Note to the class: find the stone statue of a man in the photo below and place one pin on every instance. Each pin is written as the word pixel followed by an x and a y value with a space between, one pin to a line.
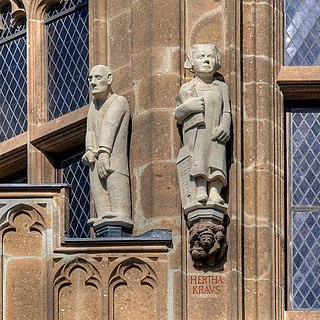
pixel 106 152
pixel 203 110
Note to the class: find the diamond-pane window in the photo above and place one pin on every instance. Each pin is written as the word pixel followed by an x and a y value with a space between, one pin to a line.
pixel 76 174
pixel 302 33
pixel 68 58
pixel 304 213
pixel 13 78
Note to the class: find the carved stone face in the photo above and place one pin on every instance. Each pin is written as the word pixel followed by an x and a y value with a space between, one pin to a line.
pixel 206 241
pixel 204 60
pixel 100 79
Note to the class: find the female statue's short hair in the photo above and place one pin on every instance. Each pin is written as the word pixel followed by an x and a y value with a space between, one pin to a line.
pixel 190 58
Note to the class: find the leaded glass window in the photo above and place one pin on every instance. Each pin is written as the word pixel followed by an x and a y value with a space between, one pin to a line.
pixel 76 174
pixel 68 59
pixel 302 33
pixel 13 78
pixel 304 207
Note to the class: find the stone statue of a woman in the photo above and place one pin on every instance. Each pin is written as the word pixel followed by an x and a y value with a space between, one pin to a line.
pixel 203 110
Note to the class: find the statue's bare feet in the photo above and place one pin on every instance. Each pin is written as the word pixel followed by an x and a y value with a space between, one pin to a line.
pixel 215 196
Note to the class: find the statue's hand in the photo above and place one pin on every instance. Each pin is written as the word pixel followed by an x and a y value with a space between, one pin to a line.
pixel 104 169
pixel 198 253
pixel 193 105
pixel 220 134
pixel 88 158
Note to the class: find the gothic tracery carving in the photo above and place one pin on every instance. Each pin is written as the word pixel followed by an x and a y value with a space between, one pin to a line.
pixel 18 12
pixel 63 275
pixel 36 214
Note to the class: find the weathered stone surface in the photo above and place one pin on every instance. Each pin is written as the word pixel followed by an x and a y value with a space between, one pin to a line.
pixel 200 34
pixel 24 288
pixel 165 23
pixel 257 210
pixel 160 194
pixel 259 151
pixel 122 81
pixel 141 25
pixel 151 133
pixel 259 265
pixel 257 94
pixel 120 39
pixel 163 90
pixel 78 299
pixel 258 67
pixel 116 7
pixel 206 292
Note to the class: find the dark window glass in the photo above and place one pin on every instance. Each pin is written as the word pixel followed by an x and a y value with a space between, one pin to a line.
pixel 304 211
pixel 76 174
pixel 68 58
pixel 302 33
pixel 20 177
pixel 13 79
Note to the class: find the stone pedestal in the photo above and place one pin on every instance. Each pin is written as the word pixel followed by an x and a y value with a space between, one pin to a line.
pixel 111 226
pixel 210 211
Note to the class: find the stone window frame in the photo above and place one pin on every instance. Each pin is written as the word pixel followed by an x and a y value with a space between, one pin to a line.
pixel 297 83
pixel 36 149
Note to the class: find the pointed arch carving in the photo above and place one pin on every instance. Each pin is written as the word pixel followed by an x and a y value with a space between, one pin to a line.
pixel 119 274
pixel 39 7
pixel 77 289
pixel 63 275
pixel 23 246
pixel 131 281
pixel 18 12
pixel 36 213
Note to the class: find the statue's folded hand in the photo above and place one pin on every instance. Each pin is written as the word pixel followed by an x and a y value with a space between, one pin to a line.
pixel 88 158
pixel 104 169
pixel 193 105
pixel 220 134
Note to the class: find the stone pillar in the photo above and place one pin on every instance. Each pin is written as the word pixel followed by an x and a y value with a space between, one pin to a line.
pixel 261 145
pixel 41 170
pixel 155 63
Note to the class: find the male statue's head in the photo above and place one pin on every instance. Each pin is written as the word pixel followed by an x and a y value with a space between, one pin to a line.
pixel 100 79
pixel 203 59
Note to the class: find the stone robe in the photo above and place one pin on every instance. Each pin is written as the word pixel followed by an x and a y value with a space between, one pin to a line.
pixel 107 130
pixel 208 157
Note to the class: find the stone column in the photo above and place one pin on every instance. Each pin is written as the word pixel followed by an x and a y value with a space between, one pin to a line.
pixel 144 52
pixel 261 150
pixel 40 170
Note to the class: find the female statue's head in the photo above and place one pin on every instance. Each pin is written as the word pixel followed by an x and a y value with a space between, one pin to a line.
pixel 203 59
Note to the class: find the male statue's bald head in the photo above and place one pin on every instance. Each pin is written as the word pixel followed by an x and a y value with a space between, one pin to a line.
pixel 100 79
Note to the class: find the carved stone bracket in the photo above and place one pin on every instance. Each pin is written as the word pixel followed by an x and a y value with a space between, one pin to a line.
pixel 207 243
